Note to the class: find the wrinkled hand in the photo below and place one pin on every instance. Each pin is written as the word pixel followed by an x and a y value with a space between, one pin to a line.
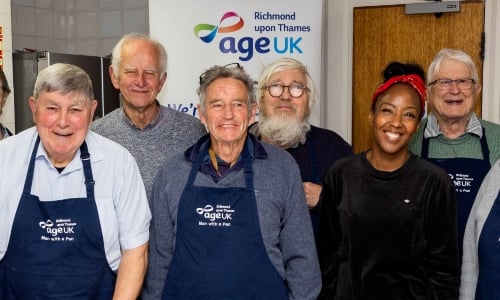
pixel 312 192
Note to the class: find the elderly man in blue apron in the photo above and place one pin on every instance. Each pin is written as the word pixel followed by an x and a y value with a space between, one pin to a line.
pixel 74 214
pixel 452 136
pixel 230 219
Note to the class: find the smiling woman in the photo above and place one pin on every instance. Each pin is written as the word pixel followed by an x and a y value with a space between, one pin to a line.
pixel 387 215
pixel 397 106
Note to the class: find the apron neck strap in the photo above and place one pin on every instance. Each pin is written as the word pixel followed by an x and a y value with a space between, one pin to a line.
pixel 246 158
pixel 87 169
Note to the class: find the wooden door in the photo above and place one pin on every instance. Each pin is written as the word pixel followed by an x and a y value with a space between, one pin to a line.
pixel 384 34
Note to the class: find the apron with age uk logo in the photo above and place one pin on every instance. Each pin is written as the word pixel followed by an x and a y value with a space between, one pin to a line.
pixel 56 248
pixel 467 174
pixel 219 252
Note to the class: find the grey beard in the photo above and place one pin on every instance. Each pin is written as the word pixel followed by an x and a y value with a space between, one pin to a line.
pixel 283 132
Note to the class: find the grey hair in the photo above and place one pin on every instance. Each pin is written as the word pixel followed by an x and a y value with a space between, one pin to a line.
pixel 217 72
pixel 64 78
pixel 285 64
pixel 452 54
pixel 118 48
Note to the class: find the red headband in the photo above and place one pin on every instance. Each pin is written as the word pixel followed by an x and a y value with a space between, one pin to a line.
pixel 413 80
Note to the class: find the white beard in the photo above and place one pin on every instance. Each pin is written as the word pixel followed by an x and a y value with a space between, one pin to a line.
pixel 283 131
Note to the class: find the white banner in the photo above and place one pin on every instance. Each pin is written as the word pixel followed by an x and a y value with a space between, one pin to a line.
pixel 200 34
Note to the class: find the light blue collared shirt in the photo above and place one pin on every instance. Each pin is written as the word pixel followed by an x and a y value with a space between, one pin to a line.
pixel 119 191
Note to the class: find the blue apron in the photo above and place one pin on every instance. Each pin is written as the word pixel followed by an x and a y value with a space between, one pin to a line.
pixel 219 252
pixel 467 174
pixel 56 248
pixel 488 282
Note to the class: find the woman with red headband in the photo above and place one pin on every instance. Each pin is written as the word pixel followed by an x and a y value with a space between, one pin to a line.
pixel 387 228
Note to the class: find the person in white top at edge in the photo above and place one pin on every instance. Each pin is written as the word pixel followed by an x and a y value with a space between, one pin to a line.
pixel 481 260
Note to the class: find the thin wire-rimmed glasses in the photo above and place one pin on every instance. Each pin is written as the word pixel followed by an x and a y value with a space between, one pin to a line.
pixel 295 90
pixel 446 83
pixel 228 66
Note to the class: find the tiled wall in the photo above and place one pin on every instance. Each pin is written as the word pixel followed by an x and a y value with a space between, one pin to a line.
pixel 89 27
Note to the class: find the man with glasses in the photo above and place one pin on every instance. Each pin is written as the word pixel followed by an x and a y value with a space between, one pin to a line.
pixel 287 95
pixel 452 136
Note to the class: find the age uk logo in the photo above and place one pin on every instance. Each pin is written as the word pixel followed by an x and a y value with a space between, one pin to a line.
pixel 213 30
pixel 246 46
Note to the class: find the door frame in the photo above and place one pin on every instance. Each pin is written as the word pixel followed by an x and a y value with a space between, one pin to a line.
pixel 338 72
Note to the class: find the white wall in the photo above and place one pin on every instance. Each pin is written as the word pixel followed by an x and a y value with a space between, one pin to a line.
pixel 339 35
pixel 7 117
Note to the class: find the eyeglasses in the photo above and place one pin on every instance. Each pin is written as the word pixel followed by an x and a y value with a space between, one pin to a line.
pixel 295 90
pixel 446 84
pixel 228 66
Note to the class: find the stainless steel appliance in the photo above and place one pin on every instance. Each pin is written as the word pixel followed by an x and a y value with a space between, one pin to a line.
pixel 26 66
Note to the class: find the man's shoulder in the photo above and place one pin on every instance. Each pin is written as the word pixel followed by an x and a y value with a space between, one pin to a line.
pixel 179 116
pixel 180 126
pixel 278 167
pixel 328 141
pixel 492 132
pixel 19 144
pixel 183 123
pixel 107 120
pixel 490 127
pixel 322 131
pixel 326 134
pixel 106 144
pixel 173 166
pixel 276 155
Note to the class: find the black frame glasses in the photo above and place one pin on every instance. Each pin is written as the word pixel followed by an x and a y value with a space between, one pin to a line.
pixel 295 90
pixel 228 66
pixel 446 83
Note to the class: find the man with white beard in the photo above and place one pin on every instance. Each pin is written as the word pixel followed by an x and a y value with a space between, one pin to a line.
pixel 287 94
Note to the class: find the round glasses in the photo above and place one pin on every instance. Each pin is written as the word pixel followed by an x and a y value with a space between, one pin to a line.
pixel 295 90
pixel 446 84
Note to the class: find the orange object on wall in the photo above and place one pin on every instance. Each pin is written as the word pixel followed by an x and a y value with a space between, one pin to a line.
pixel 1 47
